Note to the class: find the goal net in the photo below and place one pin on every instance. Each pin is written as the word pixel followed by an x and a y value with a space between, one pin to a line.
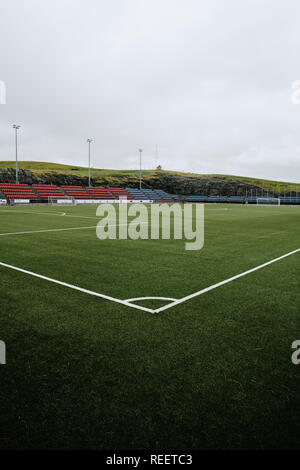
pixel 67 200
pixel 268 201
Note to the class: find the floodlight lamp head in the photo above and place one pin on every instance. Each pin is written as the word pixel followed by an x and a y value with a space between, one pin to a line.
pixel 89 140
pixel 140 150
pixel 16 127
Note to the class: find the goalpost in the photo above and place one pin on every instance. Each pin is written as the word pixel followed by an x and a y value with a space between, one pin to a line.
pixel 68 200
pixel 268 201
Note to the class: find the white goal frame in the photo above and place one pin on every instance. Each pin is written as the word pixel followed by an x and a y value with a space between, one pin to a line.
pixel 53 200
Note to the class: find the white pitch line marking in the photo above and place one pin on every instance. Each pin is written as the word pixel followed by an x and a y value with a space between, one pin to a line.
pixel 62 229
pixel 48 230
pixel 33 212
pixel 135 299
pixel 214 286
pixel 57 214
pixel 138 307
pixel 80 289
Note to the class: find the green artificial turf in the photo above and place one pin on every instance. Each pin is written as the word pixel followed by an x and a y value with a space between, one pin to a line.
pixel 214 372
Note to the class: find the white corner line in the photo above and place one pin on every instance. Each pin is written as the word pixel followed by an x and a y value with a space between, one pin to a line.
pixel 214 286
pixel 80 289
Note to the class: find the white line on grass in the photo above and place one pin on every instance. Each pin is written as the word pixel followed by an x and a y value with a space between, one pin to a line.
pixel 57 214
pixel 48 230
pixel 136 299
pixel 158 310
pixel 80 289
pixel 214 286
pixel 32 212
pixel 63 229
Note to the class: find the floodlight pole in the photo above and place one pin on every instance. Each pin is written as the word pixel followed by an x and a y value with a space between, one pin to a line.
pixel 16 141
pixel 140 150
pixel 89 142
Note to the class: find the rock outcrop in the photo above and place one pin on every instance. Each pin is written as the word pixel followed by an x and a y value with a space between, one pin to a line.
pixel 172 183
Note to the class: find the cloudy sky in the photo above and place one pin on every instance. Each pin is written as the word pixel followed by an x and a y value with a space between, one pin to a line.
pixel 208 82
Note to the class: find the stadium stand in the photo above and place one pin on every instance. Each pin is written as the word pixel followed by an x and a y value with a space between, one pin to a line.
pixel 117 192
pixel 217 199
pixel 237 199
pixel 252 199
pixel 18 191
pixel 136 194
pixel 48 190
pixel 196 198
pixel 76 192
pixel 150 194
pixel 42 193
pixel 289 200
pixel 99 193
pixel 163 196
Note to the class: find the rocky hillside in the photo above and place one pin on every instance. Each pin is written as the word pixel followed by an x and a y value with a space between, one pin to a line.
pixel 172 182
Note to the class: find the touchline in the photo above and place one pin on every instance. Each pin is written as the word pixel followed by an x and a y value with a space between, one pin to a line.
pixel 153 221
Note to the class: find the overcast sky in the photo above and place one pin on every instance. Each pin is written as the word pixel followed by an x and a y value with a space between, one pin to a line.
pixel 207 81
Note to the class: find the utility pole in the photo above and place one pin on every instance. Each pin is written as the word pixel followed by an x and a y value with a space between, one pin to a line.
pixel 140 150
pixel 89 142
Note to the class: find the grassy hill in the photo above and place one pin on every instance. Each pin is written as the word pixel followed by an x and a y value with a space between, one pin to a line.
pixel 131 177
pixel 42 167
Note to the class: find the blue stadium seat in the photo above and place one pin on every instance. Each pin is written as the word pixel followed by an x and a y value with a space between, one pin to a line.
pixel 196 198
pixel 237 199
pixel 137 194
pixel 290 200
pixel 163 195
pixel 151 194
pixel 217 199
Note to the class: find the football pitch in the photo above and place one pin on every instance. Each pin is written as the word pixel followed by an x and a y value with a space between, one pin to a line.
pixel 87 367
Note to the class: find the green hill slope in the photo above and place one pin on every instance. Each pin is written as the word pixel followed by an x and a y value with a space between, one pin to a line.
pixel 173 181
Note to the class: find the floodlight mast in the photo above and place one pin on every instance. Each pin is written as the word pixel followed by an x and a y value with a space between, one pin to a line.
pixel 16 127
pixel 140 150
pixel 89 142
